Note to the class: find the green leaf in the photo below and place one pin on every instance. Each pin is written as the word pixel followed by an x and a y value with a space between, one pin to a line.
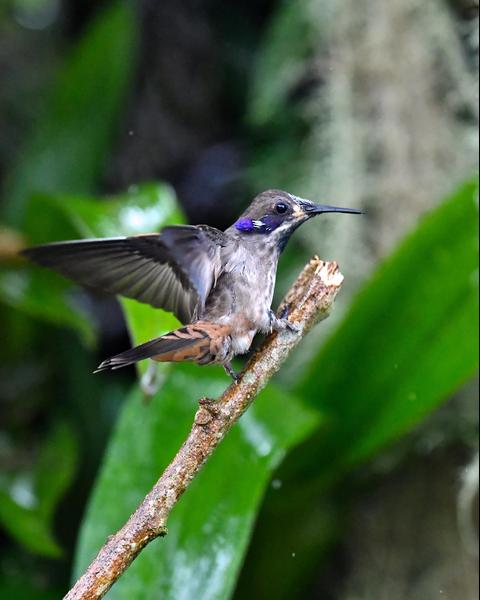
pixel 409 341
pixel 22 587
pixel 210 527
pixel 55 470
pixel 68 150
pixel 42 294
pixel 27 527
pixel 66 153
pixel 281 63
pixel 30 522
pixel 143 209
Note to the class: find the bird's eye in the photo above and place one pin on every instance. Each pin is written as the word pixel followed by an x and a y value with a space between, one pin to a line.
pixel 281 208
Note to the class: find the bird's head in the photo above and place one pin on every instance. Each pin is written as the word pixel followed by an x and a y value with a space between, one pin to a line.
pixel 277 214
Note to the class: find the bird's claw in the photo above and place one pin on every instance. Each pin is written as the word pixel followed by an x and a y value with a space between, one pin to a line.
pixel 295 327
pixel 230 371
pixel 281 323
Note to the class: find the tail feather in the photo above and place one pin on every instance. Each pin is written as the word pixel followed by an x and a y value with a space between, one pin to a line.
pixel 200 342
pixel 148 350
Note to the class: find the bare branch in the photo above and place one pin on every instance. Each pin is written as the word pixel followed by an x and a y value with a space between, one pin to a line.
pixel 308 301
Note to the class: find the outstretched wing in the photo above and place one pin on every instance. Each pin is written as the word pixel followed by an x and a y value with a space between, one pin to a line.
pixel 174 270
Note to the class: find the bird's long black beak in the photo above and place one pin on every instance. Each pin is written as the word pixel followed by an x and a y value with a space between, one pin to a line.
pixel 318 209
pixel 311 209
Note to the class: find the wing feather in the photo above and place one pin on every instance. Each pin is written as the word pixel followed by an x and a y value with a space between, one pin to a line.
pixel 174 270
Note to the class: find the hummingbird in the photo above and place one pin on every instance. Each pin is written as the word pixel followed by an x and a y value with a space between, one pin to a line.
pixel 219 284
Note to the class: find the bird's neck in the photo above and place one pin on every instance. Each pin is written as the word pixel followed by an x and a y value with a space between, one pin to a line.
pixel 272 243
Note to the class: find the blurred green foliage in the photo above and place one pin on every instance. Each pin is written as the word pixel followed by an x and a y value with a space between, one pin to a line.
pixel 281 63
pixel 27 502
pixel 219 509
pixel 365 381
pixel 142 209
pixel 408 342
pixel 66 153
pixel 69 148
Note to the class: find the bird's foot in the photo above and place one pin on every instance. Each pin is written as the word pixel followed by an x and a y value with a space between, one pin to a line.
pixel 282 323
pixel 294 327
pixel 230 371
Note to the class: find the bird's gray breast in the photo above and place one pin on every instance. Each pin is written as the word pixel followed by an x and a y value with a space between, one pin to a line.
pixel 243 293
